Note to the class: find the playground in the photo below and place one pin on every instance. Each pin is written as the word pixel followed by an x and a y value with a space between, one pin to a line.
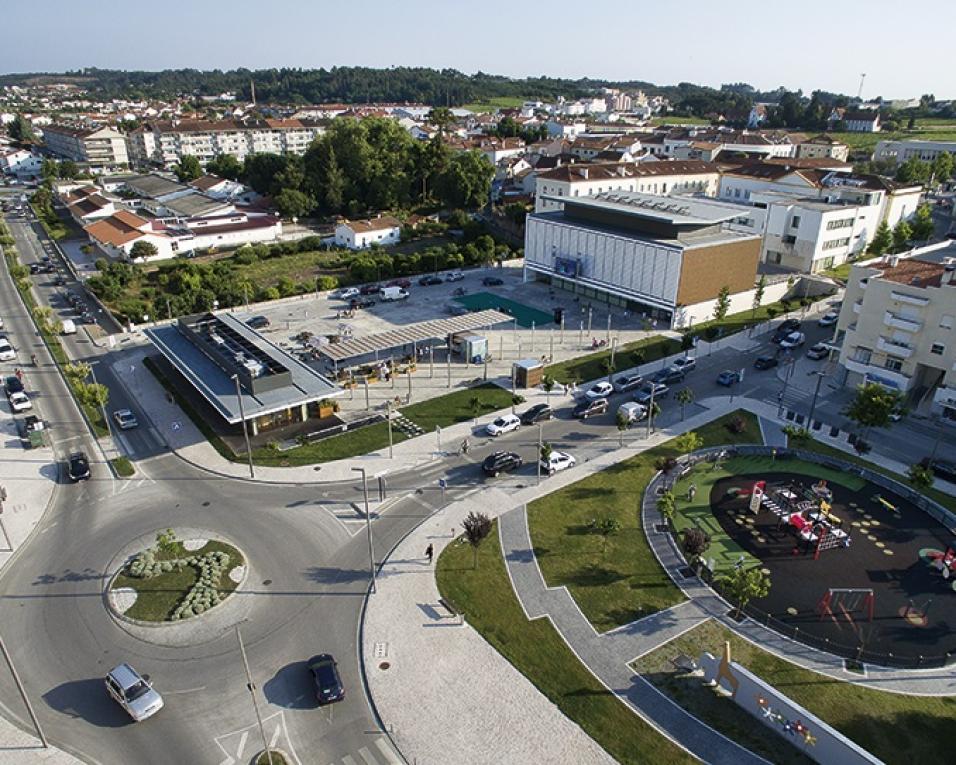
pixel 854 568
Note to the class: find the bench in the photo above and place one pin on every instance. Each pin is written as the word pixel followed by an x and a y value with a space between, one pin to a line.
pixel 450 608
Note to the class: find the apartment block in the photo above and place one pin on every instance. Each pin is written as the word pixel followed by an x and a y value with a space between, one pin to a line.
pixel 97 147
pixel 900 151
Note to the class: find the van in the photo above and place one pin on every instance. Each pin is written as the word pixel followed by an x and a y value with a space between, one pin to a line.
pixel 69 327
pixel 632 411
pixel 392 293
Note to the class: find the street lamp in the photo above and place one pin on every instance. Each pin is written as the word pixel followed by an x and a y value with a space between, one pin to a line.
pixel 368 525
pixel 816 392
pixel 245 428
pixel 106 421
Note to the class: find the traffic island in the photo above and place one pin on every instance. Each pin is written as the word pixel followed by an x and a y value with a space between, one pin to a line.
pixel 278 758
pixel 159 591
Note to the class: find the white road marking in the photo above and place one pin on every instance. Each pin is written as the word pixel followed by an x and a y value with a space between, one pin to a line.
pixel 126 448
pixel 242 743
pixel 366 755
pixel 347 760
pixel 390 757
pixel 275 735
pixel 186 690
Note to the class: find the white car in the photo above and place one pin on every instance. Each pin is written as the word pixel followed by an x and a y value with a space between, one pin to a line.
pixel 557 461
pixel 6 350
pixel 455 276
pixel 504 424
pixel 599 390
pixel 125 419
pixel 19 402
pixel 133 691
pixel 684 365
pixel 793 340
pixel 348 293
pixel 829 319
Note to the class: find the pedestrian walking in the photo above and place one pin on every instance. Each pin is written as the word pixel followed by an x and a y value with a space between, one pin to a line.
pixel 429 553
pixel 19 374
pixel 691 492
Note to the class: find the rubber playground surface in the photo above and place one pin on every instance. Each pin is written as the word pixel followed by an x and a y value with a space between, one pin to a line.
pixel 892 548
pixel 526 315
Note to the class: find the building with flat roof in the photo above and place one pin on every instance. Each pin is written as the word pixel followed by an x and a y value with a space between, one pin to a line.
pixel 97 147
pixel 214 351
pixel 667 257
pixel 897 327
pixel 900 151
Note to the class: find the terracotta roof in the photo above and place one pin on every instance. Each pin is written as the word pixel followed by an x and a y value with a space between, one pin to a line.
pixel 89 205
pixel 117 230
pixel 925 273
pixel 808 163
pixel 206 182
pixel 372 224
pixel 823 140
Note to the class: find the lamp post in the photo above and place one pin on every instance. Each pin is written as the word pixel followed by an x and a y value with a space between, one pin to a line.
pixel 245 428
pixel 368 525
pixel 252 690
pixel 540 427
pixel 388 417
pixel 106 421
pixel 816 392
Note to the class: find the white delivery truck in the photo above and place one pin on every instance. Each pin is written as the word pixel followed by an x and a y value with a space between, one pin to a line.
pixel 68 327
pixel 393 293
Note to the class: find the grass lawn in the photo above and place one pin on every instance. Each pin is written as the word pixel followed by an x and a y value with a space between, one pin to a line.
pixel 299 266
pixel 894 727
pixel 493 104
pixel 624 582
pixel 351 444
pixel 841 272
pixel 485 596
pixel 724 550
pixel 123 467
pixel 673 119
pixel 159 596
pixel 456 407
pixel 592 366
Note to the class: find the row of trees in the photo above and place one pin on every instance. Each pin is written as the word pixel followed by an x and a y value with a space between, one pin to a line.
pixel 916 170
pixel 361 166
pixel 888 241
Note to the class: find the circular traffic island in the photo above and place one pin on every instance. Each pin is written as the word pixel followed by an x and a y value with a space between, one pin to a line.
pixel 176 580
pixel 278 757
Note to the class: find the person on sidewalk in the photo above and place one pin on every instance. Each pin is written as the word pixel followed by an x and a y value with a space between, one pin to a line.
pixel 429 553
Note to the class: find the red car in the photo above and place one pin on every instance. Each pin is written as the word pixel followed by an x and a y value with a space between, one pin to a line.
pixel 403 283
pixel 370 289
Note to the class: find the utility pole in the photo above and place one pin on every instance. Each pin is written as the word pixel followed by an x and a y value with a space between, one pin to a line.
pixel 540 427
pixel 608 327
pixel 816 392
pixel 859 93
pixel 650 411
pixel 252 690
pixel 368 526
pixel 532 337
pixel 245 428
pixel 3 528
pixel 388 418
pixel 431 361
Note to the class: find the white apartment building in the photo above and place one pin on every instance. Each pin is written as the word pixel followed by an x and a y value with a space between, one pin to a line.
pixel 897 327
pixel 20 162
pixel 166 143
pixel 900 151
pixel 583 179
pixel 359 234
pixel 97 147
pixel 823 147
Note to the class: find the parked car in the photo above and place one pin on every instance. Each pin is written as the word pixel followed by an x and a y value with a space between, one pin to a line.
pixel 19 402
pixel 328 682
pixel 788 327
pixel 13 384
pixel 390 294
pixel 504 424
pixel 589 408
pixel 403 283
pixel 125 419
pixel 650 390
pixel 78 467
pixel 428 281
pixel 537 413
pixel 817 352
pixel 34 268
pixel 632 411
pixel 766 362
pixel 361 303
pixel 347 293
pixel 492 281
pixel 627 382
pixel 258 322
pixel 601 389
pixel 455 276
pixel 7 353
pixel 793 340
pixel 685 365
pixel 370 289
pixel 133 692
pixel 829 319
pixel 556 462
pixel 728 377
pixel 944 469
pixel 501 462
pixel 669 376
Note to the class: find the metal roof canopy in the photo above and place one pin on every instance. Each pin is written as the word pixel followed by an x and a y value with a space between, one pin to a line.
pixel 413 333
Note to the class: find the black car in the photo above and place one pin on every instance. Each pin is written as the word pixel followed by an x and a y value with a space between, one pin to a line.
pixel 258 322
pixel 668 376
pixel 788 327
pixel 501 462
pixel 370 289
pixel 428 281
pixel 765 362
pixel 328 682
pixel 590 408
pixel 78 467
pixel 537 413
pixel 13 385
pixel 945 470
pixel 492 281
pixel 34 268
pixel 361 304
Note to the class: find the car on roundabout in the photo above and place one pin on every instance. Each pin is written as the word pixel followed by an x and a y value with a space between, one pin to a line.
pixel 793 340
pixel 728 377
pixel 133 691
pixel 504 424
pixel 78 467
pixel 501 462
pixel 328 682
pixel 817 352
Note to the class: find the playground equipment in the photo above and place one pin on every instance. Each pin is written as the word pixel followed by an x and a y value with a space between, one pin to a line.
pixel 846 602
pixel 887 505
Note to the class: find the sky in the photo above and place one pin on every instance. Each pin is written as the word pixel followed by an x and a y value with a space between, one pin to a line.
pixel 815 44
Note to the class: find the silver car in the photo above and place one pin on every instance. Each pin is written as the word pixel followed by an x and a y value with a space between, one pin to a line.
pixel 125 419
pixel 133 692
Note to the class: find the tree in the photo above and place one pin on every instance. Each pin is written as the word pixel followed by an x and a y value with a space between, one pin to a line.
pixel 292 203
pixel 188 168
pixel 901 235
pixel 914 170
pixel 941 169
pixel 920 474
pixel 723 303
pixel 43 316
pixel 684 397
pixel 667 506
pixel 546 450
pixel 477 527
pixel 49 169
pixel 68 169
pixel 441 117
pixel 695 542
pixel 225 166
pixel 21 130
pixel 76 372
pixel 759 289
pixel 548 383
pixel 688 442
pixel 466 182
pixel 882 239
pixel 872 406
pixel 743 585
pixel 92 395
pixel 922 224
pixel 143 250
pixel 607 527
pixel 622 422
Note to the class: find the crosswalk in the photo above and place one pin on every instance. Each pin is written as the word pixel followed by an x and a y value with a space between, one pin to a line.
pixel 379 753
